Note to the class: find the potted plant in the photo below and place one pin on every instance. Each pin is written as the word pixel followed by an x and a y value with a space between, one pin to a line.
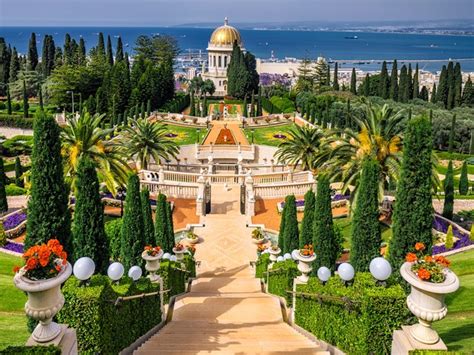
pixel 260 249
pixel 258 237
pixel 192 237
pixel 152 256
pixel 430 280
pixel 179 251
pixel 46 268
pixel 305 257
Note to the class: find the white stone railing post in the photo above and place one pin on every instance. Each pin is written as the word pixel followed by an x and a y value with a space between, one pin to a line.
pixel 210 163
pixel 250 208
pixel 161 174
pixel 200 195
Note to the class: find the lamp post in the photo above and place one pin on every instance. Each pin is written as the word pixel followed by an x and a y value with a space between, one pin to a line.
pixel 72 99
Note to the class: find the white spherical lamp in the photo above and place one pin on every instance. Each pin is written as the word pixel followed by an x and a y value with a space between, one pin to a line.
pixel 380 268
pixel 324 274
pixel 287 256
pixel 280 258
pixel 173 258
pixel 166 256
pixel 346 271
pixel 135 272
pixel 84 268
pixel 115 271
pixel 294 254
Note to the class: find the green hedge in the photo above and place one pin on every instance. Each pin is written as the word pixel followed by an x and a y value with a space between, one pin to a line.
pixel 366 326
pixel 173 278
pixel 261 266
pixel 433 352
pixel 15 121
pixel 13 190
pixel 280 279
pixel 177 104
pixel 101 326
pixel 190 264
pixel 452 156
pixel 43 350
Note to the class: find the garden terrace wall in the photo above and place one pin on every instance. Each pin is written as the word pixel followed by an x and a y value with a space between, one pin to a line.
pixel 101 326
pixel 358 319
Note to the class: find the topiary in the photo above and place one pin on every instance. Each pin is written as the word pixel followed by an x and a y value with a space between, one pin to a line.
pixel 449 238
pixel 471 235
pixel 3 236
pixel 113 233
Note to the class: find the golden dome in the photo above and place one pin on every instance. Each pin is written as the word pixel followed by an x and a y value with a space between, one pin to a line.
pixel 225 35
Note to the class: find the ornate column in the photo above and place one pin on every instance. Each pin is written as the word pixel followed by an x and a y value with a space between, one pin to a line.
pixel 250 208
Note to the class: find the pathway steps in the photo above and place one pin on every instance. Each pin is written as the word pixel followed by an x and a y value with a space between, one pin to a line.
pixel 226 312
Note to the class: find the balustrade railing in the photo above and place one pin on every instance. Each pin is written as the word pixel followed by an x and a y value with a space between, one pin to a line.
pixel 276 190
pixel 177 190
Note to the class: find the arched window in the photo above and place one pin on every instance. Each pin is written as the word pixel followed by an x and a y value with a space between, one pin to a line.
pixel 225 61
pixel 220 61
pixel 214 60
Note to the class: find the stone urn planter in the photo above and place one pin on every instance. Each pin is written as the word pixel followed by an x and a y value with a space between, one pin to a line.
pixel 304 266
pixel 192 238
pixel 258 241
pixel 152 264
pixel 179 253
pixel 273 256
pixel 45 299
pixel 258 236
pixel 426 302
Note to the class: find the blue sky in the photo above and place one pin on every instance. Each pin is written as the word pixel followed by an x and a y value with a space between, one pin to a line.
pixel 172 12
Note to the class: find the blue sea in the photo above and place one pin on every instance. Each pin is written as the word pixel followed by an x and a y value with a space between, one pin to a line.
pixel 431 51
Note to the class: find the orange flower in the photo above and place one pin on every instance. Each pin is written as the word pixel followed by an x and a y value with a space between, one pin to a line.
pixel 52 243
pixel 44 254
pixel 411 257
pixel 32 251
pixel 148 247
pixel 442 260
pixel 419 246
pixel 429 259
pixel 31 263
pixel 58 268
pixel 424 274
pixel 16 269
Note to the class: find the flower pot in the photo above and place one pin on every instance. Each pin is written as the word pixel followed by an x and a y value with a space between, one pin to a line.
pixel 304 266
pixel 426 302
pixel 192 241
pixel 45 299
pixel 273 256
pixel 179 253
pixel 152 264
pixel 258 241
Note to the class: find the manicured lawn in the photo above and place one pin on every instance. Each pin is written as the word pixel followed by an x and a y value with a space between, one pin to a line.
pixel 265 135
pixel 186 135
pixel 13 330
pixel 345 225
pixel 457 329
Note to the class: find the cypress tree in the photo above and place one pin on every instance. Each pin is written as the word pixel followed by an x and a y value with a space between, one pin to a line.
pixel 413 210
pixel 366 86
pixel 353 82
pixel 449 192
pixel 259 102
pixel 88 232
pixel 324 239
pixel 252 106
pixel 471 143
pixel 281 233
pixel 18 172
pixel 451 86
pixel 403 89
pixel 81 52
pixel 25 101
pixel 148 228
pixel 434 95
pixel 148 108
pixel 424 95
pixel 335 82
pixel 9 101
pixel 48 212
pixel 119 52
pixel 384 84
pixel 142 110
pixel 245 113
pixel 169 226
pixel 40 97
pixel 109 53
pixel 306 236
pixel 101 45
pixel 3 193
pixel 291 233
pixel 366 233
pixel 468 93
pixel 443 88
pixel 452 133
pixel 132 232
pixel 32 53
pixel 14 66
pixel 160 224
pixel 394 82
pixel 328 76
pixel 409 93
pixel 416 84
pixel 192 106
pixel 463 180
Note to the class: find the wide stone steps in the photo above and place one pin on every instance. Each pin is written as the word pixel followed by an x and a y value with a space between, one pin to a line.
pixel 226 285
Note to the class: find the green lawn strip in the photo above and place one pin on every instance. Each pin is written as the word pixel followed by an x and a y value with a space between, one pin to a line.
pixel 456 197
pixel 345 224
pixel 186 135
pixel 463 263
pixel 457 331
pixel 442 170
pixel 13 329
pixel 264 135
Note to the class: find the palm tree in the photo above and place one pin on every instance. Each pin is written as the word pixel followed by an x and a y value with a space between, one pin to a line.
pixel 379 135
pixel 83 136
pixel 301 147
pixel 144 139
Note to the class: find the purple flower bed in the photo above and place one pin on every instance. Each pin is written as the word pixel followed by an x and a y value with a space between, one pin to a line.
pixel 16 247
pixel 441 225
pixel 336 197
pixel 14 220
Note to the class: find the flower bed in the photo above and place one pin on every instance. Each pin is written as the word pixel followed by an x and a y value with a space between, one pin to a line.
pixel 14 247
pixel 441 224
pixel 337 200
pixel 225 136
pixel 14 220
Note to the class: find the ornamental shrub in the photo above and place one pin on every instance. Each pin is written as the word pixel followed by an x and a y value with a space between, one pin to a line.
pixel 161 220
pixel 3 236
pixel 173 278
pixel 449 192
pixel 14 190
pixel 132 238
pixel 306 235
pixel 413 210
pixel 88 231
pixel 463 180
pixel 261 266
pixel 471 234
pixel 148 228
pixel 48 210
pixel 449 243
pixel 169 226
pixel 18 172
pixel 365 325
pixel 280 279
pixel 26 350
pixel 113 231
pixel 291 233
pixel 324 240
pixel 3 193
pixel 101 326
pixel 366 233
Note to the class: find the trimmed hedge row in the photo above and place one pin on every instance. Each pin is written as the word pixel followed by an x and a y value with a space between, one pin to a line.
pixel 15 121
pixel 176 105
pixel 280 279
pixel 25 350
pixel 362 327
pixel 101 326
pixel 173 278
pixel 261 266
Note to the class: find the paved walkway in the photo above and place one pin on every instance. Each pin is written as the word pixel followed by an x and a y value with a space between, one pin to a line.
pixel 226 311
pixel 234 126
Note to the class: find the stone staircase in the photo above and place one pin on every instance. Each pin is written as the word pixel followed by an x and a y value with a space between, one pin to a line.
pixel 226 311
